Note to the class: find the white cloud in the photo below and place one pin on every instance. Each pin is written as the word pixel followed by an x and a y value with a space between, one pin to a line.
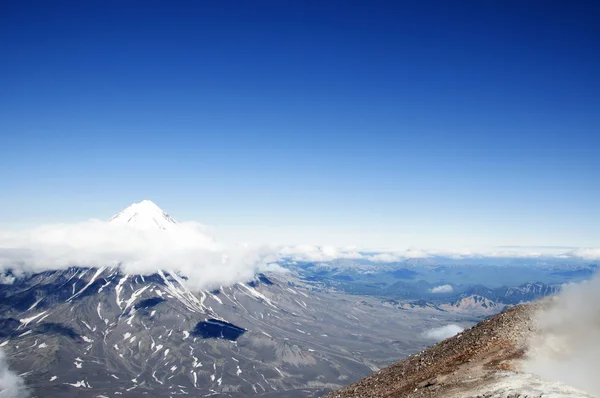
pixel 586 253
pixel 442 289
pixel 386 258
pixel 6 279
pixel 11 385
pixel 188 249
pixel 318 253
pixel 391 256
pixel 442 333
pixel 567 346
pixel 397 256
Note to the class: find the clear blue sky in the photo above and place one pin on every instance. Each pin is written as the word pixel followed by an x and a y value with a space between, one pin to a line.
pixel 393 123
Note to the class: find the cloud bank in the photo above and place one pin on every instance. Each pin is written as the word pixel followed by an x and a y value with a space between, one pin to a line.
pixel 318 253
pixel 567 348
pixel 442 333
pixel 442 289
pixel 393 256
pixel 188 249
pixel 586 253
pixel 11 384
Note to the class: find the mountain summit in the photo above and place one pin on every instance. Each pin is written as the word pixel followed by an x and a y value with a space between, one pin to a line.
pixel 144 215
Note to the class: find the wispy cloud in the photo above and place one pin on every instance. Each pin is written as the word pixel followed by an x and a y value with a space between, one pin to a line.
pixel 442 289
pixel 495 252
pixel 567 346
pixel 586 253
pixel 442 333
pixel 318 253
pixel 11 384
pixel 397 256
pixel 6 279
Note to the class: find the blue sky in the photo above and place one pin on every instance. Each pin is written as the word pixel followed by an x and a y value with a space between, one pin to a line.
pixel 394 124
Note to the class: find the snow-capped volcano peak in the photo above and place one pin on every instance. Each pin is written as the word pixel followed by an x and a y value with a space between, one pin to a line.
pixel 144 215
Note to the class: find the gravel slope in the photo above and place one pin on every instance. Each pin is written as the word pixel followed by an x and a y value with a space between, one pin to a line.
pixel 479 362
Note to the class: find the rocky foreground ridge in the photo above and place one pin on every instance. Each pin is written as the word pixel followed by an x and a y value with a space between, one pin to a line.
pixel 481 362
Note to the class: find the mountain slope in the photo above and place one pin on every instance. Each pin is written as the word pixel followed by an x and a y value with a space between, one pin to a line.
pixel 91 332
pixel 94 332
pixel 100 332
pixel 479 362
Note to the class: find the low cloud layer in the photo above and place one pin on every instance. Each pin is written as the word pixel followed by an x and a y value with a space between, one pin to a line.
pixel 11 384
pixel 442 333
pixel 393 256
pixel 442 289
pixel 189 249
pixel 567 349
pixel 586 253
pixel 318 253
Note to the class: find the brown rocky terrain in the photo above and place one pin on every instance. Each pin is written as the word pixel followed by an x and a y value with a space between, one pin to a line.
pixel 465 365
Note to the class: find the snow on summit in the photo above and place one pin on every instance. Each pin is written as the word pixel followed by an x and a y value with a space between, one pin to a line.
pixel 144 215
pixel 139 240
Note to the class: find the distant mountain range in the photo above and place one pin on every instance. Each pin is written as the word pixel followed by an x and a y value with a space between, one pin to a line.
pixel 480 300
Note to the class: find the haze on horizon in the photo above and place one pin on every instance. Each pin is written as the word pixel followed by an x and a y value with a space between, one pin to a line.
pixel 435 125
